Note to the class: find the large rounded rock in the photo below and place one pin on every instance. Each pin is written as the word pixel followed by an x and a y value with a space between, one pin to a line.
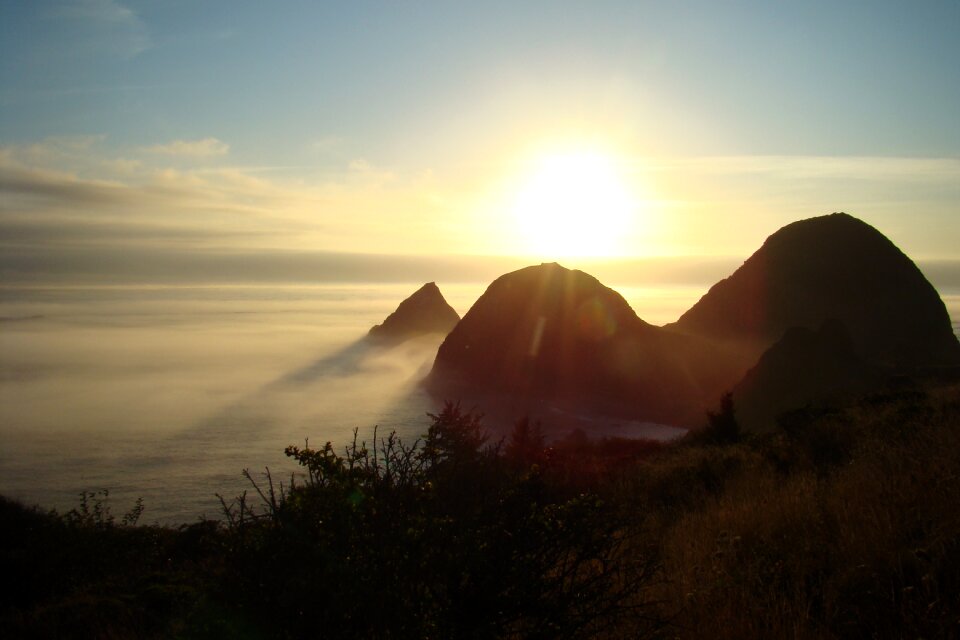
pixel 831 267
pixel 550 337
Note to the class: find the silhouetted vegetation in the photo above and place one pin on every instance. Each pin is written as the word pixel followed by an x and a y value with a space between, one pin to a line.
pixel 722 426
pixel 843 523
pixel 440 539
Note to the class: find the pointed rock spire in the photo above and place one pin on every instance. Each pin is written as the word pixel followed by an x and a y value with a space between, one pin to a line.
pixel 424 312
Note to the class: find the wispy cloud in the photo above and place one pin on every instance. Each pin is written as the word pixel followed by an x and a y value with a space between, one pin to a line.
pixel 98 10
pixel 205 148
pixel 52 150
pixel 818 167
pixel 156 201
pixel 742 199
pixel 325 144
pixel 106 26
pixel 44 187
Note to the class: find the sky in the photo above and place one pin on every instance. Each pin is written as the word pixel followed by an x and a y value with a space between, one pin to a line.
pixel 148 134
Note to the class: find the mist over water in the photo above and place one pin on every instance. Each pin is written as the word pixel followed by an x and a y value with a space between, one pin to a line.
pixel 168 392
pixel 953 308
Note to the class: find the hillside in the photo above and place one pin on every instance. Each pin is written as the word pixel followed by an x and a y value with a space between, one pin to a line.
pixel 803 367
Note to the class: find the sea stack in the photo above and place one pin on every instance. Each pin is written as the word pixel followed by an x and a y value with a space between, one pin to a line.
pixel 546 340
pixel 826 306
pixel 424 312
pixel 831 267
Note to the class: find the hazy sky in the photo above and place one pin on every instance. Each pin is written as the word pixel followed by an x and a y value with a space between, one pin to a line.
pixel 436 127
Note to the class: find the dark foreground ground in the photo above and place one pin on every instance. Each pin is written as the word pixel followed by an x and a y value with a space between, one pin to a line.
pixel 844 523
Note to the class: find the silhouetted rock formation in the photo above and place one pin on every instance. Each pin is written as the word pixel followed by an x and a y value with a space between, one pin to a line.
pixel 828 305
pixel 546 337
pixel 833 266
pixel 424 312
pixel 803 367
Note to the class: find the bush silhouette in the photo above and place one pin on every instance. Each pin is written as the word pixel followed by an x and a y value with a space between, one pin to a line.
pixel 722 426
pixel 440 538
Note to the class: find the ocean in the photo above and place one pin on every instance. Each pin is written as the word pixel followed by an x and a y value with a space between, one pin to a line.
pixel 169 392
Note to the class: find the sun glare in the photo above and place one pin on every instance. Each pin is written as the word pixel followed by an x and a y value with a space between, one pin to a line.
pixel 575 204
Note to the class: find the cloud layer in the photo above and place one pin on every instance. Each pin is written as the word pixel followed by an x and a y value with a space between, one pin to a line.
pixel 178 208
pixel 104 26
pixel 205 148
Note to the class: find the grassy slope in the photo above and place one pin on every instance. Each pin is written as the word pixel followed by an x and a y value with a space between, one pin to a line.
pixel 844 525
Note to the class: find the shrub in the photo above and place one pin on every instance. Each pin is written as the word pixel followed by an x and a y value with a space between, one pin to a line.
pixel 437 539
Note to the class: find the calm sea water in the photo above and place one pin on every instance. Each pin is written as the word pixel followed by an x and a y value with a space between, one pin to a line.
pixel 168 393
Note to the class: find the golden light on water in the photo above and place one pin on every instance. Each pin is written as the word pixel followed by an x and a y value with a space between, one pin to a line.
pixel 576 204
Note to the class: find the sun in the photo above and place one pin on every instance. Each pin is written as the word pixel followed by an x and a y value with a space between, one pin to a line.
pixel 575 204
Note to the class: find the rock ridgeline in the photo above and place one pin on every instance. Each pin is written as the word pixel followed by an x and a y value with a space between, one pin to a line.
pixel 805 366
pixel 827 305
pixel 424 312
pixel 831 267
pixel 549 338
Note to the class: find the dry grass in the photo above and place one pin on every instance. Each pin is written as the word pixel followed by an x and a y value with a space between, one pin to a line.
pixel 857 535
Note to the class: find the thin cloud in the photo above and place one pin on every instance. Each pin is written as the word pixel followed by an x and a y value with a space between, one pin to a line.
pixel 326 143
pixel 216 206
pixel 820 167
pixel 107 11
pixel 360 165
pixel 51 186
pixel 73 231
pixel 205 148
pixel 106 26
pixel 55 150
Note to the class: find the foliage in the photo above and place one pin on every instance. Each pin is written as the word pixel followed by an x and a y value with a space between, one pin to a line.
pixel 84 574
pixel 722 426
pixel 436 539
pixel 526 445
pixel 94 511
pixel 843 524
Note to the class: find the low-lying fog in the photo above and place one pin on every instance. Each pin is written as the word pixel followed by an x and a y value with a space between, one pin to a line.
pixel 169 392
